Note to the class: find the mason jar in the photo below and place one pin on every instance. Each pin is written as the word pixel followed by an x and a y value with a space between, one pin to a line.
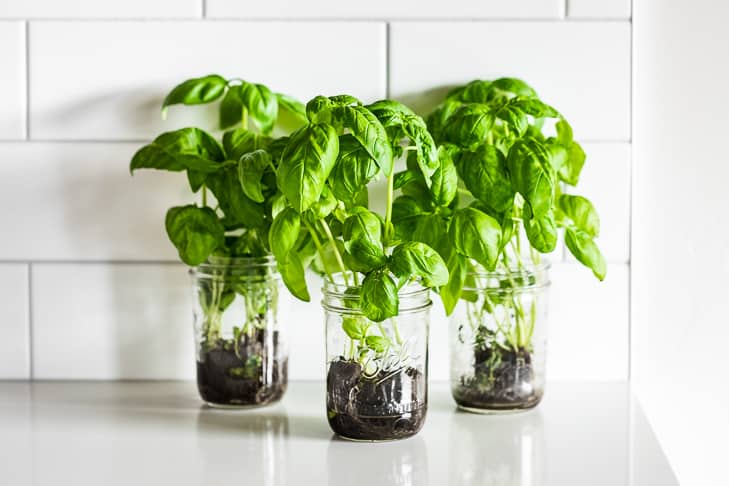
pixel 242 357
pixel 498 339
pixel 377 372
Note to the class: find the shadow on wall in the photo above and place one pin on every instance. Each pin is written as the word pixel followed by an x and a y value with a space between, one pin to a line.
pixel 424 102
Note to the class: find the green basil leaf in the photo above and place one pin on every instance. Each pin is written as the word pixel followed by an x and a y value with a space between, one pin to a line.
pixel 355 328
pixel 534 107
pixel 477 91
pixel 405 177
pixel 529 166
pixel 570 171
pixel 406 211
pixel 438 119
pixel 250 172
pixel 197 91
pixel 195 232
pixel 362 234
pixel 584 249
pixel 239 209
pixel 451 293
pixel 370 133
pixel 196 179
pixel 186 148
pixel 476 235
pixel 469 125
pixel 284 233
pixel 483 172
pixel 306 162
pixel 444 185
pixel 564 132
pixel 292 273
pixel 416 259
pixel 514 117
pixel 378 344
pixel 261 103
pixel 432 229
pixel 510 87
pixel 292 105
pixel 541 231
pixel 325 205
pixel 581 212
pixel 239 141
pixel 379 299
pixel 353 171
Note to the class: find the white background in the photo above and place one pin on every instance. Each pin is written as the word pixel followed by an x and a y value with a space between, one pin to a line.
pixel 89 284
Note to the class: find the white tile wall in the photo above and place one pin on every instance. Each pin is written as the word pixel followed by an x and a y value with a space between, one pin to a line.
pixel 111 321
pixel 410 9
pixel 126 71
pixel 14 324
pixel 74 9
pixel 583 68
pixel 84 204
pixel 12 80
pixel 97 75
pixel 588 324
pixel 599 9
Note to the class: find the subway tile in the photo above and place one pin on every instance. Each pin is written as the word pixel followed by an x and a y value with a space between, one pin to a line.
pixel 78 202
pixel 403 9
pixel 14 345
pixel 582 68
pixel 606 181
pixel 599 9
pixel 588 324
pixel 12 81
pixel 52 9
pixel 112 321
pixel 122 76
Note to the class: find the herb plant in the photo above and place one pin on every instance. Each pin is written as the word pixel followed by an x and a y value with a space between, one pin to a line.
pixel 236 182
pixel 505 156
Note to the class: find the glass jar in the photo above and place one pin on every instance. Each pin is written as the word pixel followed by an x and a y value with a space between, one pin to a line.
pixel 377 386
pixel 498 339
pixel 242 357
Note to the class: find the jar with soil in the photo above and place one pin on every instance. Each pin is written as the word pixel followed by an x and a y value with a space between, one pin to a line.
pixel 242 356
pixel 376 371
pixel 498 339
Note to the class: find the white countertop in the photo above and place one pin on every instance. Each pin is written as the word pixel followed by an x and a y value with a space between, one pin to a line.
pixel 98 433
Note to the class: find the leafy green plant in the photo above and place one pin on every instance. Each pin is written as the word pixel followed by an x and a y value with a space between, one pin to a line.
pixel 235 178
pixel 323 219
pixel 498 202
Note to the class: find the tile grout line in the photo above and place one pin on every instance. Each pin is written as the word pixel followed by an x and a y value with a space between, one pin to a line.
pixel 27 80
pixel 631 204
pixel 204 9
pixel 387 60
pixel 31 370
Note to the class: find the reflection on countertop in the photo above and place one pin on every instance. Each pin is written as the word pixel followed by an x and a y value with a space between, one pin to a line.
pixel 144 433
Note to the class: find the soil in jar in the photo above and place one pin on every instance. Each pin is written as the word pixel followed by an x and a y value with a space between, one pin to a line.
pixel 387 406
pixel 502 380
pixel 251 374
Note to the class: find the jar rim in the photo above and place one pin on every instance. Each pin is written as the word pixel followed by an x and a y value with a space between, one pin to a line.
pixel 341 292
pixel 542 269
pixel 237 266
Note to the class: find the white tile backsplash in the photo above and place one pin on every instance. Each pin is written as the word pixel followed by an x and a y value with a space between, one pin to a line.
pixel 588 324
pixel 402 9
pixel 106 303
pixel 599 9
pixel 115 9
pixel 120 321
pixel 80 203
pixel 583 68
pixel 123 75
pixel 12 81
pixel 14 324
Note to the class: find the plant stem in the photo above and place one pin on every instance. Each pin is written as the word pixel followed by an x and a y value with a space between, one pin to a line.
pixel 244 118
pixel 333 242
pixel 204 195
pixel 320 249
pixel 388 211
pixel 395 329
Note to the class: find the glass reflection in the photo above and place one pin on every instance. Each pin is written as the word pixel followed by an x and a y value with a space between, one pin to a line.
pixel 497 450
pixel 255 442
pixel 401 463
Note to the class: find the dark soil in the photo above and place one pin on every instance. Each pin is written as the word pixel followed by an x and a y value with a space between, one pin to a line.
pixel 385 407
pixel 503 382
pixel 224 378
